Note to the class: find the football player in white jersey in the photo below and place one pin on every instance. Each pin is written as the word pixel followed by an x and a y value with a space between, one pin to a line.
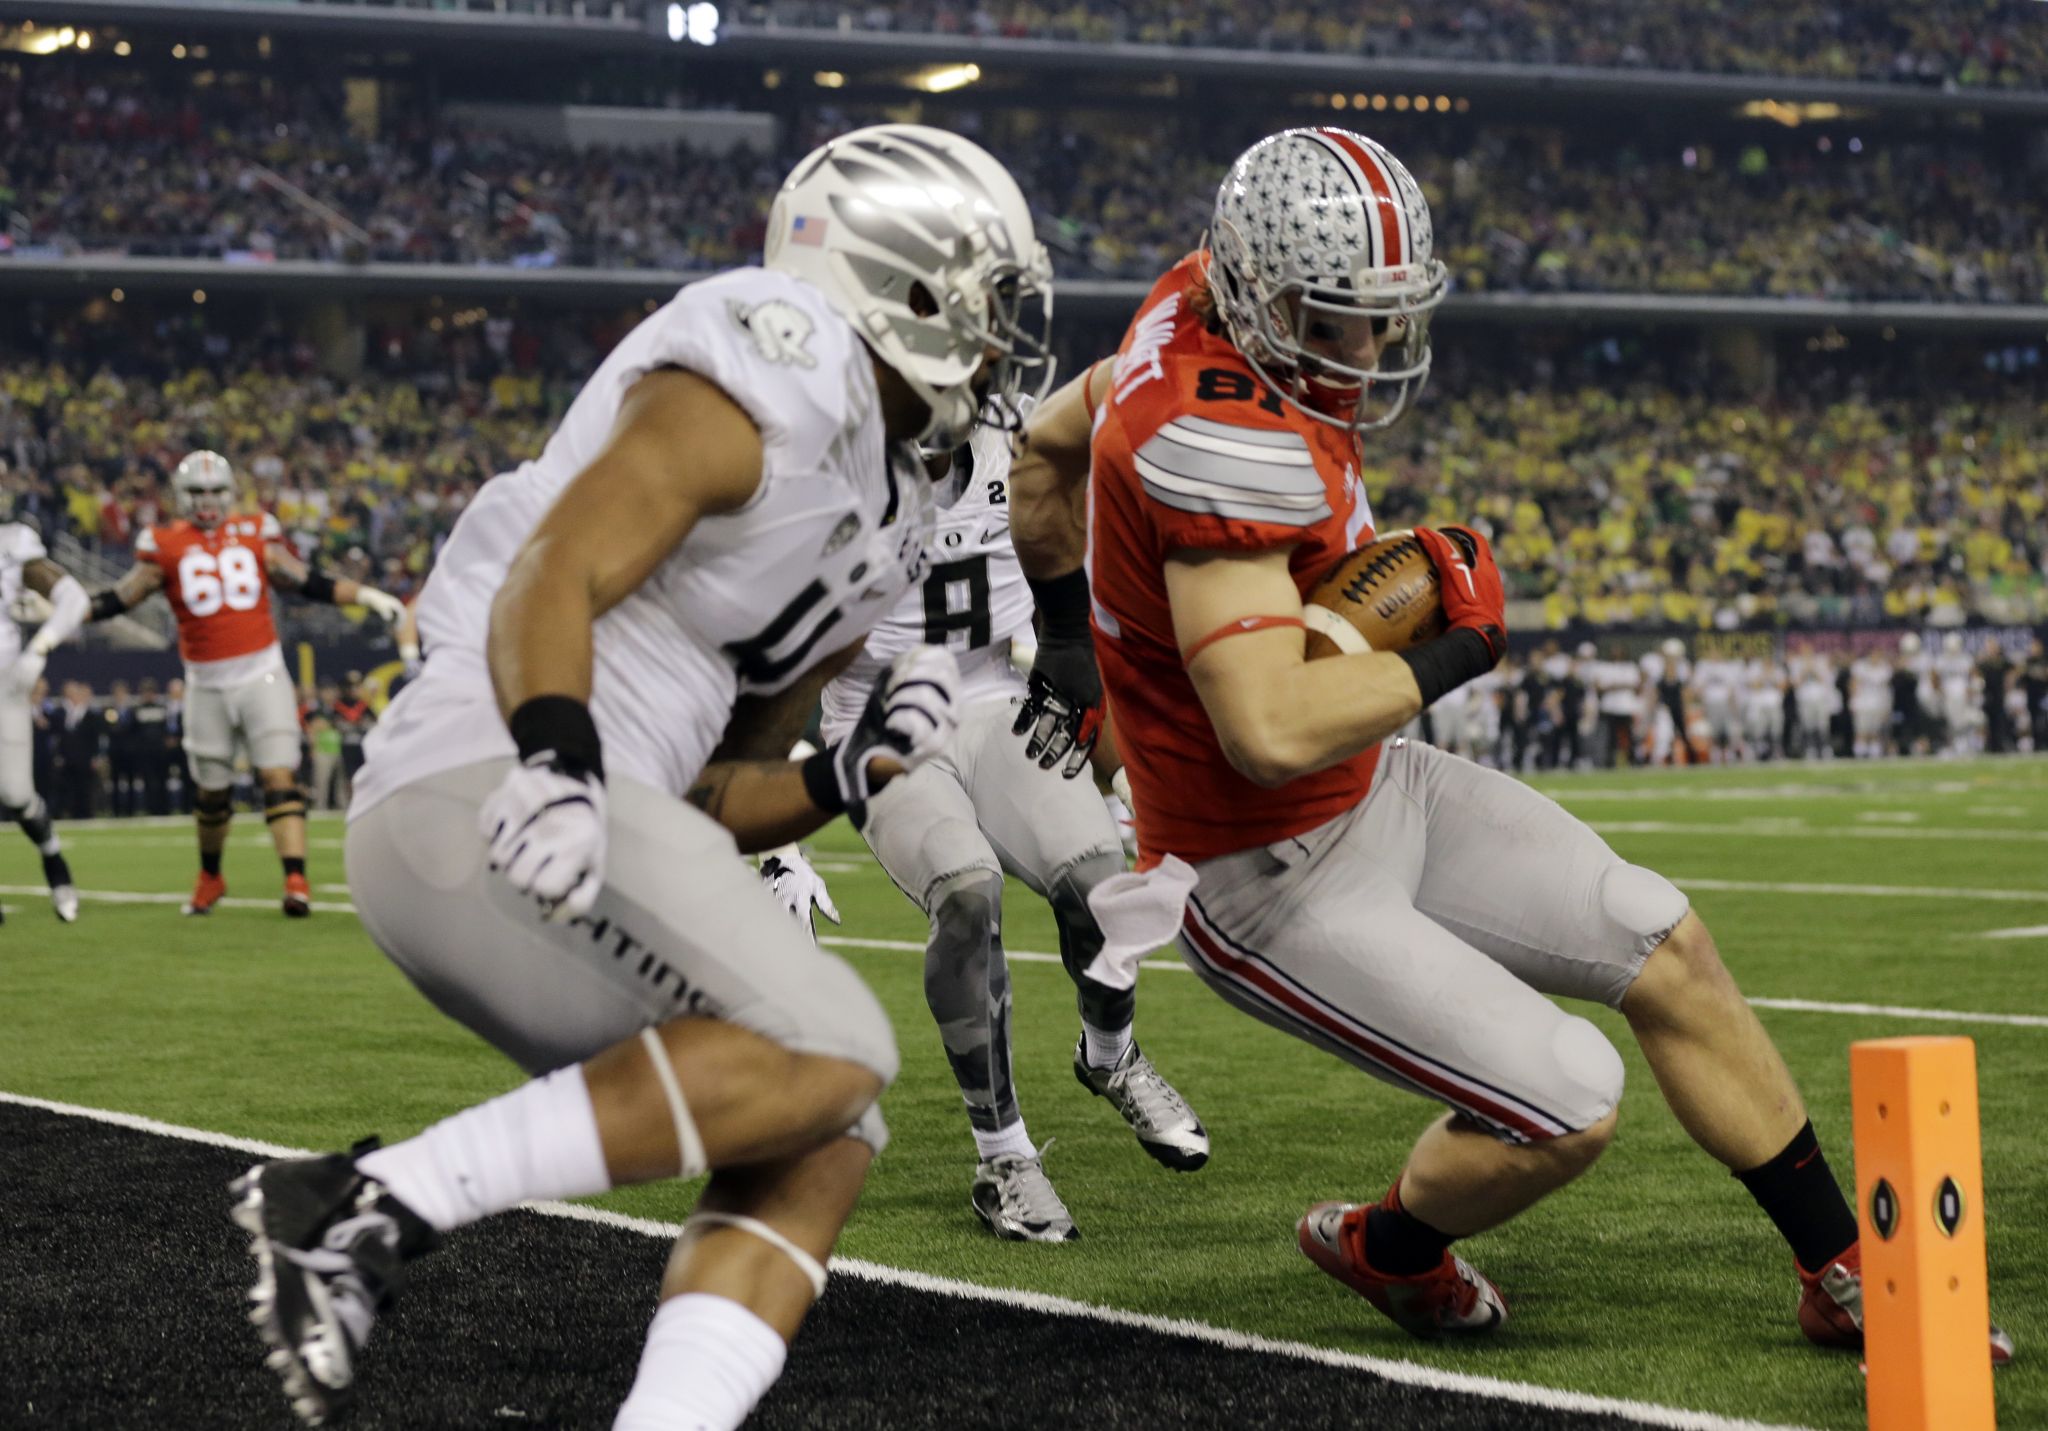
pixel 26 568
pixel 1954 670
pixel 1870 703
pixel 947 834
pixel 734 498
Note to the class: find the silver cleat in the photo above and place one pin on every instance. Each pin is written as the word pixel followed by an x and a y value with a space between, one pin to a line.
pixel 1166 1127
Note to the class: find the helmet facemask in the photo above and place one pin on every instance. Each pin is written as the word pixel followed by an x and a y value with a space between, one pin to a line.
pixel 1272 326
pixel 203 485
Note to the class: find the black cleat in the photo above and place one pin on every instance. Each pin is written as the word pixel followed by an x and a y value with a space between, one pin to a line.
pixel 330 1247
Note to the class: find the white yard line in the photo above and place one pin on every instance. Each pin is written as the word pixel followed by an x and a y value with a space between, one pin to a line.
pixel 1864 891
pixel 1170 966
pixel 1518 1393
pixel 1799 830
pixel 2028 931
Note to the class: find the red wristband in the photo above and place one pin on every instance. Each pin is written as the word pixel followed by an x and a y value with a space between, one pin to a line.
pixel 1243 626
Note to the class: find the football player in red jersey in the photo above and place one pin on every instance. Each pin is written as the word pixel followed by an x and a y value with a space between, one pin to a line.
pixel 216 567
pixel 1403 909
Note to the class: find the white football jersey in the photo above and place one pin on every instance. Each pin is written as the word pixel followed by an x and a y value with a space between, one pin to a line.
pixel 19 545
pixel 973 600
pixel 1954 669
pixel 749 601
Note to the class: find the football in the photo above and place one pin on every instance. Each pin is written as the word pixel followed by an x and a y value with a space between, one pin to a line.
pixel 1381 597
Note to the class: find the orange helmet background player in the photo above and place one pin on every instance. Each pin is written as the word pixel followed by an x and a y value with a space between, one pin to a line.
pixel 216 568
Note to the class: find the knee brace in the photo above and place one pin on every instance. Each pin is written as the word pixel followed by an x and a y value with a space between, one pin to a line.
pixel 1081 939
pixel 283 804
pixel 213 808
pixel 966 942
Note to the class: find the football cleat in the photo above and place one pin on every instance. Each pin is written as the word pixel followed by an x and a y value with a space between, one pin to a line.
pixel 1166 1127
pixel 1451 1299
pixel 330 1246
pixel 298 896
pixel 207 891
pixel 63 894
pixel 1014 1197
pixel 1831 1307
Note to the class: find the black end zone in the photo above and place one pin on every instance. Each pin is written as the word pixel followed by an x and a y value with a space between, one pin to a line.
pixel 121 1282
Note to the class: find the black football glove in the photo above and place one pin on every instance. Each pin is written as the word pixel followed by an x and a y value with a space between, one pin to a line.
pixel 1062 708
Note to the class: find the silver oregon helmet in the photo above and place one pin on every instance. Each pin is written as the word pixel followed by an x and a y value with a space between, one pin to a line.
pixel 924 243
pixel 204 487
pixel 1317 230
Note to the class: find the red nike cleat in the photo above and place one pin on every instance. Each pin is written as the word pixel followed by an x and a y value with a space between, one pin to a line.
pixel 298 896
pixel 1451 1299
pixel 206 893
pixel 1831 1307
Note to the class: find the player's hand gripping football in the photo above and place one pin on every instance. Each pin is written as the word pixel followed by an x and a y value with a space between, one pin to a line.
pixel 1062 707
pixel 546 829
pixel 799 888
pixel 1469 584
pixel 909 717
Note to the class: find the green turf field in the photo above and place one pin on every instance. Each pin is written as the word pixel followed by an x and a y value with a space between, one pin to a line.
pixel 1654 1277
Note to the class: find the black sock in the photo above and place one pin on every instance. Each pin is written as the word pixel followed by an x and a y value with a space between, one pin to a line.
pixel 1400 1244
pixel 37 827
pixel 210 862
pixel 1798 1192
pixel 294 865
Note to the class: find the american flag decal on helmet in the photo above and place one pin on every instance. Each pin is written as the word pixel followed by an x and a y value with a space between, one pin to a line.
pixel 806 230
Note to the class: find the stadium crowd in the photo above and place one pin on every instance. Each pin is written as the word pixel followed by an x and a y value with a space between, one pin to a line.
pixel 1652 502
pixel 1950 43
pixel 90 161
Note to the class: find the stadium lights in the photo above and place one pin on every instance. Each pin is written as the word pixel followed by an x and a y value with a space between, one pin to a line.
pixel 1790 114
pixel 198 295
pixel 118 296
pixel 1338 101
pixel 696 23
pixel 1379 102
pixel 1401 103
pixel 124 49
pixel 177 52
pixel 829 79
pixel 946 78
pixel 84 39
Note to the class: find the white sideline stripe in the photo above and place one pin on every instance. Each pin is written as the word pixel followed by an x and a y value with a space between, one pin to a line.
pixel 1407 1373
pixel 1800 830
pixel 1892 1011
pixel 2030 931
pixel 122 896
pixel 1039 956
pixel 1865 891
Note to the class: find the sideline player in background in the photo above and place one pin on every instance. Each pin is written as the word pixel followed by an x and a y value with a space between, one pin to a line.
pixel 26 568
pixel 733 499
pixel 216 567
pixel 1402 909
pixel 947 834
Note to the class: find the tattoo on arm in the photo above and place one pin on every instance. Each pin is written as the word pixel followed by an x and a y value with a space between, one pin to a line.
pixel 709 793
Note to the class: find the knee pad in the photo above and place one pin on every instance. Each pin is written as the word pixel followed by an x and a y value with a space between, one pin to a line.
pixel 1591 1066
pixel 1069 893
pixel 967 930
pixel 283 804
pixel 213 808
pixel 1642 902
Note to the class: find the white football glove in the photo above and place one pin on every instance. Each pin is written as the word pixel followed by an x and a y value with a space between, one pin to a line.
pixel 546 831
pixel 909 717
pixel 26 671
pixel 382 604
pixel 799 888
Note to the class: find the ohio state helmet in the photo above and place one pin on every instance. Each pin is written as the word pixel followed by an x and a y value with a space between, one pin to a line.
pixel 1323 228
pixel 204 487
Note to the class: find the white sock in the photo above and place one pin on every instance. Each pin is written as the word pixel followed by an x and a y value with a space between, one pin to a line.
pixel 1010 1142
pixel 1105 1048
pixel 539 1141
pixel 706 1362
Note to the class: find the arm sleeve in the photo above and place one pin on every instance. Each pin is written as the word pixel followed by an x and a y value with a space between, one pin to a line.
pixel 70 608
pixel 1212 485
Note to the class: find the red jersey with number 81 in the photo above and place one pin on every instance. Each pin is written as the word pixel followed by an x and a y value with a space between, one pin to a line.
pixel 218 582
pixel 1193 452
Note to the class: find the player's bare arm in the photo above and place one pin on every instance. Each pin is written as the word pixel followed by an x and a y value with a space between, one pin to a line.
pixel 288 573
pixel 1049 478
pixel 1062 707
pixel 137 585
pixel 1277 715
pixel 681 450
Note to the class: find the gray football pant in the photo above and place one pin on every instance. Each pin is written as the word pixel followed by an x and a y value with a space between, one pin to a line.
pixel 946 834
pixel 682 927
pixel 1416 935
